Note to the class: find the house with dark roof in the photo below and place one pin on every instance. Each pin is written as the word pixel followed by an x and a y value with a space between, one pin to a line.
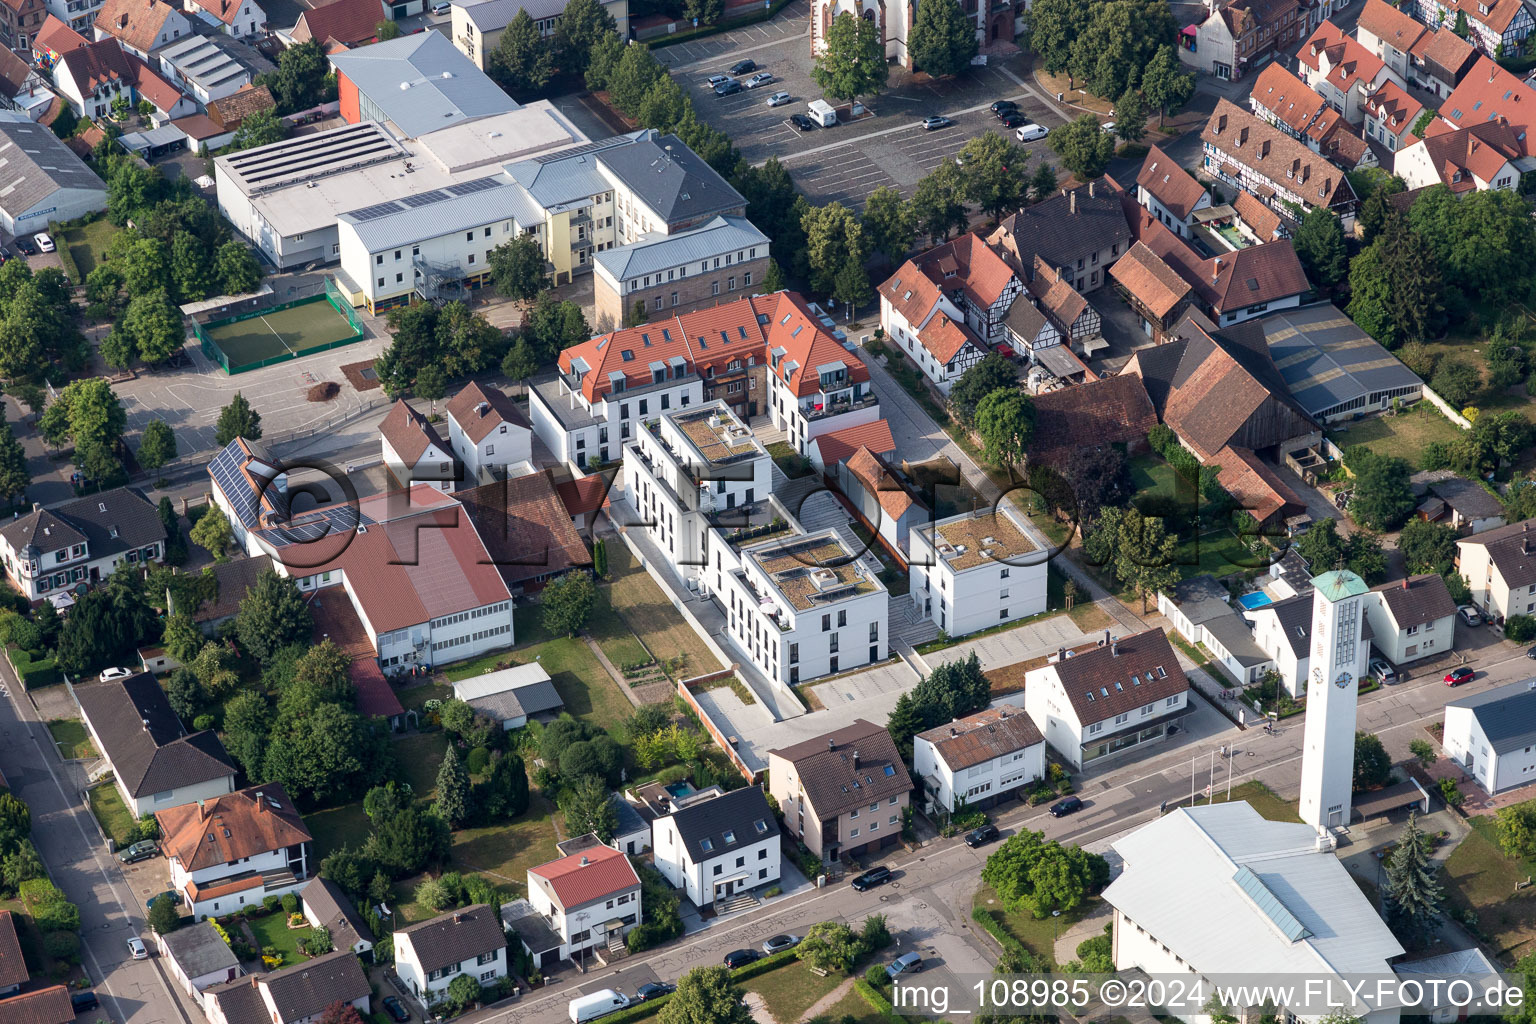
pixel 718 848
pixel 327 906
pixel 978 761
pixel 631 832
pixel 1283 631
pixel 413 451
pixel 156 763
pixel 511 696
pixel 42 180
pixel 431 953
pixel 1492 735
pixel 1500 569
pixel 1079 233
pixel 13 967
pixel 1110 702
pixel 842 794
pixel 294 995
pixel 1112 410
pixel 525 528
pixel 1464 505
pixel 233 851
pixel 589 899
pixel 487 432
pixel 1201 610
pixel 198 958
pixel 21 87
pixel 1169 192
pixel 1412 618
pixel 50 1005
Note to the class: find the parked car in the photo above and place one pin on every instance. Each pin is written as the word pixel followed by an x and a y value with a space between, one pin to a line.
pixel 172 894
pixel 780 98
pixel 714 80
pixel 760 79
pixel 742 67
pixel 935 123
pixel 1062 808
pixel 137 949
pixel 82 1001
pixel 871 878
pixel 907 963
pixel 1030 132
pixel 1004 105
pixel 5 254
pixel 25 247
pixel 1470 615
pixel 1013 120
pixel 141 850
pixel 1531 653
pixel 1457 676
pixel 443 8
pixel 1379 669
pixel 1108 127
pixel 779 943
pixel 729 88
pixel 115 672
pixel 654 990
pixel 1341 498
pixel 802 122
pixel 981 836
pixel 43 241
pixel 741 957
pixel 591 1007
pixel 396 1009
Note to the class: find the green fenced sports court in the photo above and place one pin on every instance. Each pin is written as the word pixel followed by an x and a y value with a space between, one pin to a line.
pixel 257 337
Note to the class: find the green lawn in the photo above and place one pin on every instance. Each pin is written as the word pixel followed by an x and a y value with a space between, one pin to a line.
pixel 1151 474
pixel 791 462
pixel 1404 435
pixel 1479 878
pixel 335 827
pixel 87 243
pixel 855 1008
pixel 506 852
pixel 419 756
pixel 613 635
pixel 651 616
pixel 1264 800
pixel 272 930
pixel 1219 553
pixel 1038 936
pixel 74 742
pixel 792 989
pixel 416 696
pixel 115 818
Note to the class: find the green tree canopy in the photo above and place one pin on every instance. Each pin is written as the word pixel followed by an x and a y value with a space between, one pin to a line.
pixel 523 60
pixel 259 129
pixel 992 169
pixel 1319 245
pixel 1005 422
pixel 237 419
pixel 157 445
pixel 1383 495
pixel 1084 148
pixel 887 222
pixel 583 24
pixel 706 995
pixel 1373 765
pixel 568 602
pixel 517 268
pixel 853 63
pixel 994 373
pixel 938 202
pixel 942 40
pixel 272 615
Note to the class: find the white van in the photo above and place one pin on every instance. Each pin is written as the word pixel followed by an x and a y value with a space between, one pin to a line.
pixel 598 1004
pixel 822 113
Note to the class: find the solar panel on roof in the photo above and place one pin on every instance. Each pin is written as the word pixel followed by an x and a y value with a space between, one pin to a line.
pixel 374 212
pixel 437 195
pixel 468 188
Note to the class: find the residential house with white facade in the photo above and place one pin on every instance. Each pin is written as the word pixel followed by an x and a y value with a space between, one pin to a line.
pixel 1342 70
pixel 299 994
pixel 1500 569
pixel 718 847
pixel 977 762
pixel 590 899
pixel 1391 34
pixel 1390 114
pixel 431 953
pixel 326 905
pixel 1493 26
pixel 843 794
pixel 68 548
pixel 1109 702
pixel 1245 152
pixel 413 451
pixel 928 326
pixel 1478 158
pixel 488 432
pixel 476 26
pixel 232 851
pixel 1492 735
pixel 141 25
pixel 238 18
pixel 1170 193
pixel 95 76
pixel 1412 618
pixel 1200 609
pixel 881 498
pixel 978 569
pixel 1282 630
pixel 198 958
pixel 1232 39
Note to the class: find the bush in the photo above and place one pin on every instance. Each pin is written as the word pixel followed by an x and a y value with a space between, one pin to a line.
pixel 34 667
pixel 773 890
pixel 1424 751
pixel 1451 793
pixel 62 946
pixel 875 975
pixel 271 902
pixel 477 761
pixel 763 966
pixel 202 723
pixel 876 935
pixel 1520 628
pixel 290 903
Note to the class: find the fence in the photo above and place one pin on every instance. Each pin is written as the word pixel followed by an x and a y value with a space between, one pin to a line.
pixel 1451 414
pixel 262 306
pixel 721 739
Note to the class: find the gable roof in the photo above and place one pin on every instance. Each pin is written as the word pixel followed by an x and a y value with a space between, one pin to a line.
pixel 410 434
pixel 1290 100
pixel 135 22
pixel 144 740
pixel 35 164
pixel 307 988
pixel 479 411
pixel 1169 183
pixel 1111 410
pixel 510 692
pixel 1217 390
pixel 840 444
pixel 869 470
pixel 582 878
pixel 105 61
pixel 1244 138
pixel 198 950
pixel 1058 300
pixel 1257 274
pixel 14 72
pixel 1417 600
pixel 229 112
pixel 1467 497
pixel 1511 549
pixel 50 1005
pixel 1121 676
pixel 966 264
pixel 1490 93
pixel 1390 103
pixel 226 11
pixel 455 936
pixel 1294 614
pixel 336 912
pixel 1151 281
pixel 57 37
pixel 245 823
pixel 1463 156
pixel 1349 63
pixel 1446 55
pixel 13 967
pixel 525 527
pixel 585 495
pixel 1506 714
pixel 848 767
pixel 345 21
pixel 1393 27
pixel 725 823
pixel 656 252
pixel 1261 220
pixel 232 579
pixel 944 337
pixel 1257 489
pixel 979 738
pixel 1058 230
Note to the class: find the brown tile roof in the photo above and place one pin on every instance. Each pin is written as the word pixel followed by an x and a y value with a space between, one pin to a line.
pixel 224 10
pixel 1256 488
pixel 1490 93
pixel 1417 600
pixel 336 619
pixel 1113 410
pixel 1134 671
pixel 1446 55
pixel 839 444
pixel 1239 136
pixel 13 967
pixel 46 1006
pixel 346 21
pixel 1501 13
pixel 968 264
pixel 1214 397
pixel 57 37
pixel 1392 26
pixel 198 126
pixel 106 61
pixel 1261 220
pixel 478 411
pixel 14 72
pixel 583 496
pixel 307 988
pixel 135 22
pixel 867 468
pixel 1349 63
pixel 410 435
pixel 1169 183
pixel 232 579
pixel 831 778
pixel 459 934
pixel 231 110
pixel 245 823
pixel 1286 97
pixel 1338 140
pixel 979 738
pixel 1247 16
pixel 1058 299
pixel 1149 280
pixel 1258 274
pixel 945 337
pixel 1480 150
pixel 1512 550
pixel 525 527
pixel 910 292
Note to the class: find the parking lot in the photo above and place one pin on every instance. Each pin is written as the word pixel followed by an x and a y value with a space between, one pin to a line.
pixel 848 161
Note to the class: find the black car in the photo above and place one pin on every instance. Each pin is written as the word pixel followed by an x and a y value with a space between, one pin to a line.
pixel 25 247
pixel 741 957
pixel 728 88
pixel 741 67
pixel 1062 808
pixel 1002 105
pixel 5 254
pixel 82 1001
pixel 654 990
pixel 935 123
pixel 802 122
pixel 1531 653
pixel 872 878
pixel 1012 120
pixel 396 1009
pixel 981 836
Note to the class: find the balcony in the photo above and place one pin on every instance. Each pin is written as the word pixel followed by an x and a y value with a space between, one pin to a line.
pixel 839 407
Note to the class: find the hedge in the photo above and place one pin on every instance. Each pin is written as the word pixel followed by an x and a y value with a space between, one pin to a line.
pixel 34 669
pixel 988 920
pixel 875 998
pixel 66 258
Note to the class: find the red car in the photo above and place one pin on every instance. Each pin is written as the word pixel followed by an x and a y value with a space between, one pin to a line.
pixel 1457 676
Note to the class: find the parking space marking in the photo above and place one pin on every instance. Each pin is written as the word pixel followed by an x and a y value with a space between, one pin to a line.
pixel 910 126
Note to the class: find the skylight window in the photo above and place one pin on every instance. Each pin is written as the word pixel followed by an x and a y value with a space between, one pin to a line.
pixel 666 334
pixel 1118 687
pixel 706 845
pixel 729 837
pixel 786 319
pixel 1090 695
pixel 725 339
pixel 742 331
pixel 702 342
pixel 645 340
pixel 1160 673
pixel 796 332
pixel 890 770
pixel 628 355
pixel 761 826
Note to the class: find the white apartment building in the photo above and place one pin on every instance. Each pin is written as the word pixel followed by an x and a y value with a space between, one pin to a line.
pixel 717 847
pixel 1493 735
pixel 1412 618
pixel 978 569
pixel 1110 700
pixel 978 761
pixel 591 899
pixel 70 547
pixel 1500 569
pixel 429 955
pixel 488 433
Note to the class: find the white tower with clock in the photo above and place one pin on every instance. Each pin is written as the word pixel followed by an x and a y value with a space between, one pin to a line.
pixel 1339 657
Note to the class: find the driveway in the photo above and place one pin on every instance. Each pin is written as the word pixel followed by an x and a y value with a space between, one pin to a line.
pixel 1035 640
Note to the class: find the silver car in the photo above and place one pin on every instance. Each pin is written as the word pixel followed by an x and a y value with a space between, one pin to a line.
pixel 778 99
pixel 761 78
pixel 137 949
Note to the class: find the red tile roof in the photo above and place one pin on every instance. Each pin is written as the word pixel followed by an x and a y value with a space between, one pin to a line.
pixel 910 292
pixel 1500 13
pixel 868 469
pixel 587 876
pixel 1398 108
pixel 224 10
pixel 1348 62
pixel 525 527
pixel 57 38
pixel 1287 98
pixel 945 337
pixel 478 411
pixel 13 967
pixel 969 264
pixel 1490 93
pixel 1337 139
pixel 1462 156
pixel 335 619
pixel 1169 183
pixel 584 496
pixel 1392 26
pixel 1237 135
pixel 232 827
pixel 1058 299
pixel 839 444
pixel 346 21
pixel 1261 220
pixel 135 22
pixel 1152 282
pixel 1256 487
pixel 1446 53
pixel 45 1006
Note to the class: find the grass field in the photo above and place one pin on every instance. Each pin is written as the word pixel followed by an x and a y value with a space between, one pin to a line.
pixel 1478 877
pixel 115 818
pixel 1150 474
pixel 74 742
pixel 640 602
pixel 419 756
pixel 335 827
pixel 272 930
pixel 1038 936
pixel 1264 800
pixel 1403 436
pixel 506 852
pixel 792 989
pixel 854 1007
pixel 87 242
pixel 1219 553
pixel 297 329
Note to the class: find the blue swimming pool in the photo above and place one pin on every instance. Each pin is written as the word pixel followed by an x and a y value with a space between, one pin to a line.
pixel 1257 599
pixel 680 790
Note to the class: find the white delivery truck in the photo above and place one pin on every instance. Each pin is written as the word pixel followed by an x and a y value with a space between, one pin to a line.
pixel 822 113
pixel 586 1008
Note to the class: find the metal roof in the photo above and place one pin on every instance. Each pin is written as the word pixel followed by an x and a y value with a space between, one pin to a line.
pixel 670 178
pixel 664 252
pixel 422 82
pixel 429 214
pixel 1270 904
pixel 161 136
pixel 202 62
pixel 1507 715
pixel 569 176
pixel 495 15
pixel 1326 360
pixel 307 158
pixel 35 163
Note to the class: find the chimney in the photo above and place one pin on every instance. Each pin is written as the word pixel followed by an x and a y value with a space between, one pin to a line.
pixel 855 759
pixel 1114 648
pixel 1216 272
pixel 1405 583
pixel 831 744
pixel 459 918
pixel 953 732
pixel 261 803
pixel 1072 203
pixel 36 505
pixel 585 861
pixel 1090 190
pixel 145 723
pixel 1061 654
pixel 1106 638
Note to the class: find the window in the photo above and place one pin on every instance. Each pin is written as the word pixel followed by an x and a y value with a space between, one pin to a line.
pixel 854 834
pixel 1003 575
pixel 490 958
pixel 826 623
pixel 717 869
pixel 487 976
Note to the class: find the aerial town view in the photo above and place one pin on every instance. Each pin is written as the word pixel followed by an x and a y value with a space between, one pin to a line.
pixel 767 511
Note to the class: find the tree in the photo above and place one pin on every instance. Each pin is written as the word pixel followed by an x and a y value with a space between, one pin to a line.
pixel 603 60
pixel 852 287
pixel 247 723
pixel 163 917
pixel 583 24
pixel 1427 547
pixel 1457 381
pixel 157 445
pixel 1005 422
pixel 259 129
pixel 212 532
pixel 300 79
pixel 106 624
pixel 1373 766
pixel 1165 83
pixel 523 61
pixel 1461 27
pixel 117 348
pixel 568 602
pixel 517 267
pixel 1052 26
pixel 385 31
pixel 22 864
pixel 237 419
pixel 1085 149
pixel 431 384
pixel 1131 116
pixel 1516 829
pixel 703 12
pixel 343 1013
pixel 952 690
pixel 1520 628
pixel 1415 301
pixel 632 77
pixel 519 363
pixel 1383 495
pixel 905 722
pixel 322 752
pixel 14 475
pixel 1147 557
pixel 992 172
pixel 1042 184
pixel 588 807
pixel 1370 296
pixel 853 63
pixel 464 991
pixel 887 222
pixel 182 639
pixel 706 995
pixel 504 794
pixel 829 946
pixel 554 325
pixel 1029 873
pixel 1319 245
pixel 155 326
pixel 1120 38
pixel 834 241
pixel 773 277
pixel 236 268
pixel 272 615
pixel 938 202
pixel 994 373
pixel 1376 207
pixel 452 803
pixel 942 40
pixel 1412 894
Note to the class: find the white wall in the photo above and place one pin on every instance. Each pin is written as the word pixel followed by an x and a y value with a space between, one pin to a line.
pixel 980 597
pixel 506 445
pixel 984 781
pixel 175 797
pixel 430 990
